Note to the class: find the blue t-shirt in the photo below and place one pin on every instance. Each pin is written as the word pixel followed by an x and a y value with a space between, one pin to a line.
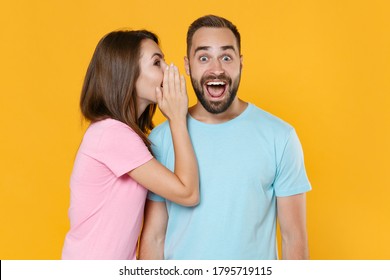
pixel 243 165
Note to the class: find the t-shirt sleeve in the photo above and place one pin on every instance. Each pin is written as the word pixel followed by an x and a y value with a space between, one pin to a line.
pixel 291 177
pixel 122 150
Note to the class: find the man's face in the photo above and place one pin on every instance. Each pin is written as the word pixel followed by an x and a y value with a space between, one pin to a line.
pixel 214 64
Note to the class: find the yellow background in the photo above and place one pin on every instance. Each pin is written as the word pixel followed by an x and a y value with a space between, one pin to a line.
pixel 322 66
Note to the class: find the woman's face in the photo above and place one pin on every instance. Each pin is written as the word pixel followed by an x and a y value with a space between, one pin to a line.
pixel 152 67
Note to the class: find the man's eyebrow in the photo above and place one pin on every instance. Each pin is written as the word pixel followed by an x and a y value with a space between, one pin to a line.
pixel 229 47
pixel 205 48
pixel 201 48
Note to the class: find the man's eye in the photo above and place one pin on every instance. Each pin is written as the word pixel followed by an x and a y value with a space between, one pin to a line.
pixel 226 58
pixel 203 58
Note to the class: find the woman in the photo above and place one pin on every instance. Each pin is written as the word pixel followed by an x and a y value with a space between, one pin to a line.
pixel 114 167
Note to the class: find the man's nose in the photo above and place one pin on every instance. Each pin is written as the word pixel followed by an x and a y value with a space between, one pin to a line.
pixel 216 67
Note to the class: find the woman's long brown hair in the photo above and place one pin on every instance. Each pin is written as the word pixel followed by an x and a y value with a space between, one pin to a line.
pixel 109 86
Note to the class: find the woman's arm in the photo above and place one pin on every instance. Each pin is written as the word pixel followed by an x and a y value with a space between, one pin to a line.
pixel 182 186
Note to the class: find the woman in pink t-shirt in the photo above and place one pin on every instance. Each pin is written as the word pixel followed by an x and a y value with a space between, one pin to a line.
pixel 114 167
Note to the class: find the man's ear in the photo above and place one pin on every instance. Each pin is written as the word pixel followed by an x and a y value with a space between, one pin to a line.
pixel 187 65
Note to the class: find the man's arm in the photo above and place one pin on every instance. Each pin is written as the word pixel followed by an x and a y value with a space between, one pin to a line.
pixel 153 232
pixel 292 220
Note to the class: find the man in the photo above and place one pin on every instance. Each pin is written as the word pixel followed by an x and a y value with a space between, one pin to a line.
pixel 250 164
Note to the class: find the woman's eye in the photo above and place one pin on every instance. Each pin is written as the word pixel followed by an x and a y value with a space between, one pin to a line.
pixel 157 63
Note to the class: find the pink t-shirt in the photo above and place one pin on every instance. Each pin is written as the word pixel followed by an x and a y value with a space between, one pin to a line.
pixel 106 204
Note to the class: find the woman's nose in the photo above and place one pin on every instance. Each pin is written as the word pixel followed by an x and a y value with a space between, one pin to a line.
pixel 163 65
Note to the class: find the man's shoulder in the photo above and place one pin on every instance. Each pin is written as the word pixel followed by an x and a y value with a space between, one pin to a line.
pixel 160 132
pixel 269 120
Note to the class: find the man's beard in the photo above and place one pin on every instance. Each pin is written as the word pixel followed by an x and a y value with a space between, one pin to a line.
pixel 216 107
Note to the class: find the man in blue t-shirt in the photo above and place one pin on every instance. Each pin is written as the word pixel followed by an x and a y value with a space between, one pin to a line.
pixel 250 164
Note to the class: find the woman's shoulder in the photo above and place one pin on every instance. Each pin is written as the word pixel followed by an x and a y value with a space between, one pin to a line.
pixel 108 126
pixel 109 130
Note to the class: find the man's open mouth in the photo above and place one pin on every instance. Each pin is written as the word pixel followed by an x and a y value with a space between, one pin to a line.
pixel 216 88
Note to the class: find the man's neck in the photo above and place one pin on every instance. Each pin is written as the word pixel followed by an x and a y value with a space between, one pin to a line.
pixel 199 113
